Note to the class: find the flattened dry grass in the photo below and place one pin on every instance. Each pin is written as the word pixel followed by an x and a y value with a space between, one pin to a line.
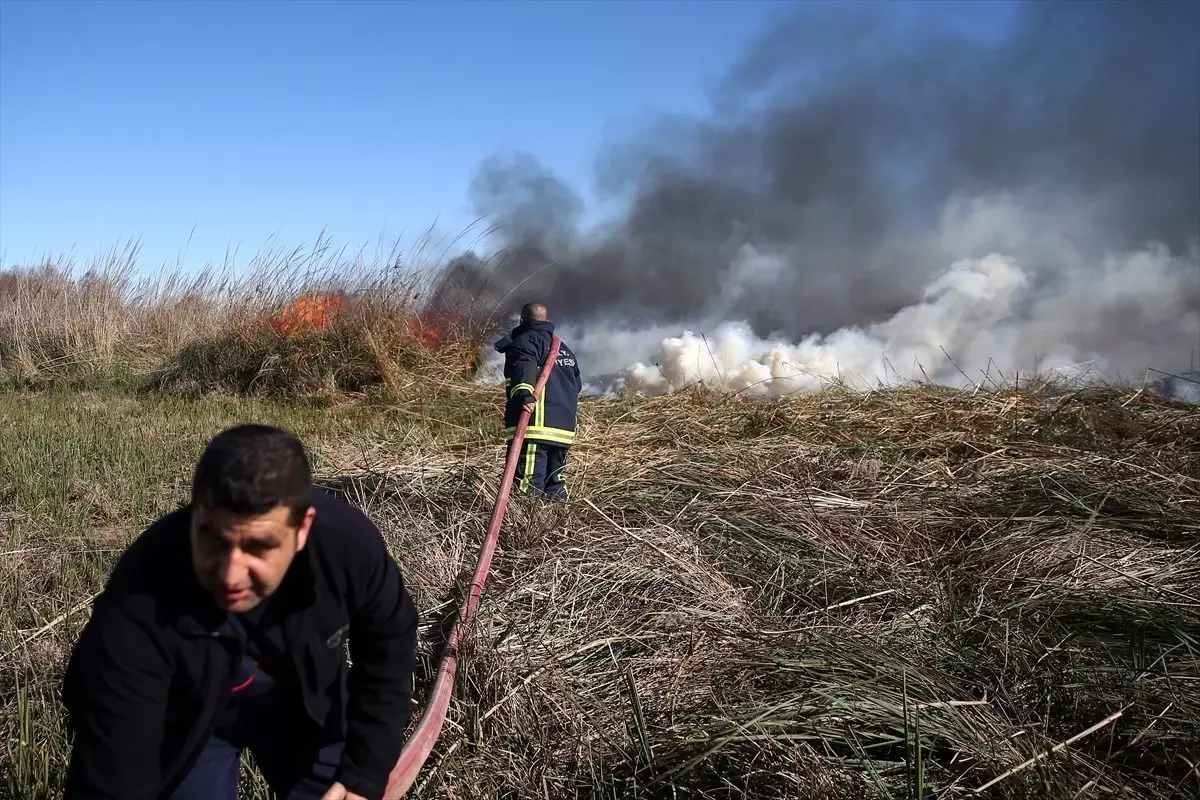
pixel 903 594
pixel 913 593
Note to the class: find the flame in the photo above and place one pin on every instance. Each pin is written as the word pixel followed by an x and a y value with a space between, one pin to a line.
pixel 429 334
pixel 314 311
pixel 430 327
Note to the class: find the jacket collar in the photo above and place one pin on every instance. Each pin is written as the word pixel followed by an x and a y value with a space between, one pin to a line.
pixel 523 328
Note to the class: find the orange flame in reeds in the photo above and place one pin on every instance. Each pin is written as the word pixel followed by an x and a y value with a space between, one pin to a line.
pixel 314 311
pixel 429 334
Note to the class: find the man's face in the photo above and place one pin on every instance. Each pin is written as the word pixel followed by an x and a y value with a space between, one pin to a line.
pixel 241 560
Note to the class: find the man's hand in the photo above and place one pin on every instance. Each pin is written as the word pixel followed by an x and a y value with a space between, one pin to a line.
pixel 529 407
pixel 340 792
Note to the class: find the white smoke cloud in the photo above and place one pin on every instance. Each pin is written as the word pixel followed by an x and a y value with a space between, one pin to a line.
pixel 1020 296
pixel 982 319
pixel 1184 388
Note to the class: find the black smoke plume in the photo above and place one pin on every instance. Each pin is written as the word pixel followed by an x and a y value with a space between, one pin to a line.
pixel 835 144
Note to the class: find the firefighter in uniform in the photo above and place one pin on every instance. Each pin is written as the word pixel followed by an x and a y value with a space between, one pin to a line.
pixel 551 430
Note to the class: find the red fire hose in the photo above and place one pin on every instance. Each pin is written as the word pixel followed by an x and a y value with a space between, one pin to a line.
pixel 420 744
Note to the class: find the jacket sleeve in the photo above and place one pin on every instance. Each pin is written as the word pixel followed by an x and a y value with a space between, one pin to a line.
pixel 521 369
pixel 383 641
pixel 116 697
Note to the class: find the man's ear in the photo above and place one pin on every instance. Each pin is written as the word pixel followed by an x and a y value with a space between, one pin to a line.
pixel 305 527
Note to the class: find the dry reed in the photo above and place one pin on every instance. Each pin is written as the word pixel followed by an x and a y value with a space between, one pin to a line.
pixel 903 594
pixel 211 329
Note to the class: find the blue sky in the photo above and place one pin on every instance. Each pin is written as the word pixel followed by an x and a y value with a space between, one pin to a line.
pixel 232 122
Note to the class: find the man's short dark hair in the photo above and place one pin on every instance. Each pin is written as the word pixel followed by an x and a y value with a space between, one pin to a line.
pixel 534 312
pixel 251 469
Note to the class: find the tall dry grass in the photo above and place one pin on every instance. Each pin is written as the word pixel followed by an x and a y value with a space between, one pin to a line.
pixel 210 328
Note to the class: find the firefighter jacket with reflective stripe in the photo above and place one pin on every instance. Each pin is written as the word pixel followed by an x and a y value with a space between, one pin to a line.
pixel 525 351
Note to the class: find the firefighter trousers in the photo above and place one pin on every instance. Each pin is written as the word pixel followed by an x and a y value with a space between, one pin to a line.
pixel 540 470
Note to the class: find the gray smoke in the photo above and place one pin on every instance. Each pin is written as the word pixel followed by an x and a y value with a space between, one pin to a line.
pixel 845 167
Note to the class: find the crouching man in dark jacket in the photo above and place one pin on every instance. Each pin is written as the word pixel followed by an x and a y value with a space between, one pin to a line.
pixel 224 627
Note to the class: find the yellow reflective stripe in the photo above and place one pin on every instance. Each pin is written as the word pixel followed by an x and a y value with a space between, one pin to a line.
pixel 542 433
pixel 526 386
pixel 554 440
pixel 530 464
pixel 539 411
pixel 543 429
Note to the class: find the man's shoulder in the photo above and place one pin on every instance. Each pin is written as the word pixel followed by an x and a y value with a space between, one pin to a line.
pixel 148 579
pixel 346 547
pixel 521 345
pixel 341 530
pixel 331 504
pixel 153 557
pixel 533 335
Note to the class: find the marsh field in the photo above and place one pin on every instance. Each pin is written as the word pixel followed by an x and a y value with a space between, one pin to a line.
pixel 916 592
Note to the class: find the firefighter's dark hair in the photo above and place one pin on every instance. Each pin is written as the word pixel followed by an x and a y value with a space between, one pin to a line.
pixel 252 469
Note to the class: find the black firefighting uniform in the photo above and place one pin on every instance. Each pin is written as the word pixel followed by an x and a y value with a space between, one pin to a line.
pixel 551 430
